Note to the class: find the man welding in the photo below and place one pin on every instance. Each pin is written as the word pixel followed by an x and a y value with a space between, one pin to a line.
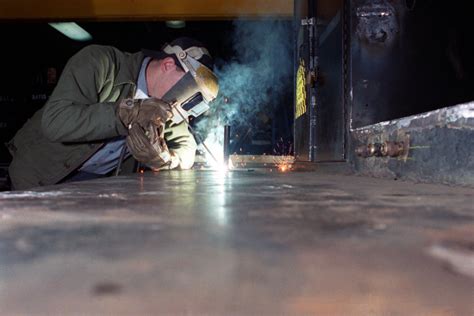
pixel 110 106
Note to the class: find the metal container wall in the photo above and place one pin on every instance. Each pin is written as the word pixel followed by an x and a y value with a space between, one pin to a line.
pixel 408 57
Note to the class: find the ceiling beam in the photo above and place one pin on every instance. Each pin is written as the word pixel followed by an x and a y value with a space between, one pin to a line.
pixel 142 9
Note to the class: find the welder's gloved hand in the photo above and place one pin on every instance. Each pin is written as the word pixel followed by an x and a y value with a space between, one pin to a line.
pixel 143 112
pixel 174 162
pixel 149 146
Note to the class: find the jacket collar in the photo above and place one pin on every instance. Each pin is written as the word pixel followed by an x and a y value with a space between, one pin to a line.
pixel 129 69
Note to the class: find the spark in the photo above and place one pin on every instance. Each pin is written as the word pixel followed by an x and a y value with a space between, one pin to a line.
pixel 283 168
pixel 284 163
pixel 284 159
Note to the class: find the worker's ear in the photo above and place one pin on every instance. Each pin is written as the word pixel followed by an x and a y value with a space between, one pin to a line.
pixel 167 65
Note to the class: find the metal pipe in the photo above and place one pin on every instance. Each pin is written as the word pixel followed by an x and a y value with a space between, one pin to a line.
pixel 226 144
pixel 385 149
pixel 313 38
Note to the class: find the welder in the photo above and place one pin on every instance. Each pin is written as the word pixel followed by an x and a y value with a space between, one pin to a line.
pixel 110 106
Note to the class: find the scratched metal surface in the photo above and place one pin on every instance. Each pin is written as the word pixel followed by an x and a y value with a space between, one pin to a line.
pixel 198 242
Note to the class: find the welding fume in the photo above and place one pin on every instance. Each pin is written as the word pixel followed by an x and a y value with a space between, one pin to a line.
pixel 255 92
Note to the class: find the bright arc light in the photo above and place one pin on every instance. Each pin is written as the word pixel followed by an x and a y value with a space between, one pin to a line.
pixel 219 165
pixel 222 168
pixel 72 30
pixel 214 142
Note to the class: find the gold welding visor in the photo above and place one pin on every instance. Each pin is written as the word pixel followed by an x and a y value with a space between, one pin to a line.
pixel 205 79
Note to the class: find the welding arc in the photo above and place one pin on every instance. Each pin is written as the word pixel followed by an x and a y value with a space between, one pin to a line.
pixel 199 139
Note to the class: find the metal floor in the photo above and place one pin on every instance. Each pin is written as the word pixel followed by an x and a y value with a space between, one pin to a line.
pixel 198 242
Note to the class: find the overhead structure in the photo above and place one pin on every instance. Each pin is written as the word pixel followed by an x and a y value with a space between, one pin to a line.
pixel 153 9
pixel 142 9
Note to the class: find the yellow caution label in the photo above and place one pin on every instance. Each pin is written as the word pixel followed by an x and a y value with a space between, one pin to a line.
pixel 300 90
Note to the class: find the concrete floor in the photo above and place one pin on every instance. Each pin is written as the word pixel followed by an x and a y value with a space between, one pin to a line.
pixel 199 242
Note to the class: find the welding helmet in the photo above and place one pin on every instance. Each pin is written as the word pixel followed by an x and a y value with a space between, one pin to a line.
pixel 199 86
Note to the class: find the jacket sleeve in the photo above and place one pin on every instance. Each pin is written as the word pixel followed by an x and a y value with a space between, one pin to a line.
pixel 181 142
pixel 73 113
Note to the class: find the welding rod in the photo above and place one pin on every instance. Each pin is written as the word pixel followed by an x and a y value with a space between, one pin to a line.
pixel 226 144
pixel 198 138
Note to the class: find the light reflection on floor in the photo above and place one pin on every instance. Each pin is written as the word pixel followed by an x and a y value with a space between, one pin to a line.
pixel 240 242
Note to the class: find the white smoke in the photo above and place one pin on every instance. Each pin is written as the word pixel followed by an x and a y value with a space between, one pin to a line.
pixel 253 81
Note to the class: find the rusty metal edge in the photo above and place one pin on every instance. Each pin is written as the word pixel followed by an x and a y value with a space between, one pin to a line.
pixel 441 147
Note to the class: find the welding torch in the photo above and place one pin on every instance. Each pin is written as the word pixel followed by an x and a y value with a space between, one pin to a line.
pixel 193 132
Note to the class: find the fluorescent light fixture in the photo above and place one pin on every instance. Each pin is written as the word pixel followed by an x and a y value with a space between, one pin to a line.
pixel 72 30
pixel 176 24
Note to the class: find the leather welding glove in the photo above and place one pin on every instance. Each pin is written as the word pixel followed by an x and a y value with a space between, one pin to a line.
pixel 174 162
pixel 149 146
pixel 143 112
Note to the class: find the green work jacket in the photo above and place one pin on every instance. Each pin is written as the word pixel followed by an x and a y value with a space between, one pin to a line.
pixel 79 117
